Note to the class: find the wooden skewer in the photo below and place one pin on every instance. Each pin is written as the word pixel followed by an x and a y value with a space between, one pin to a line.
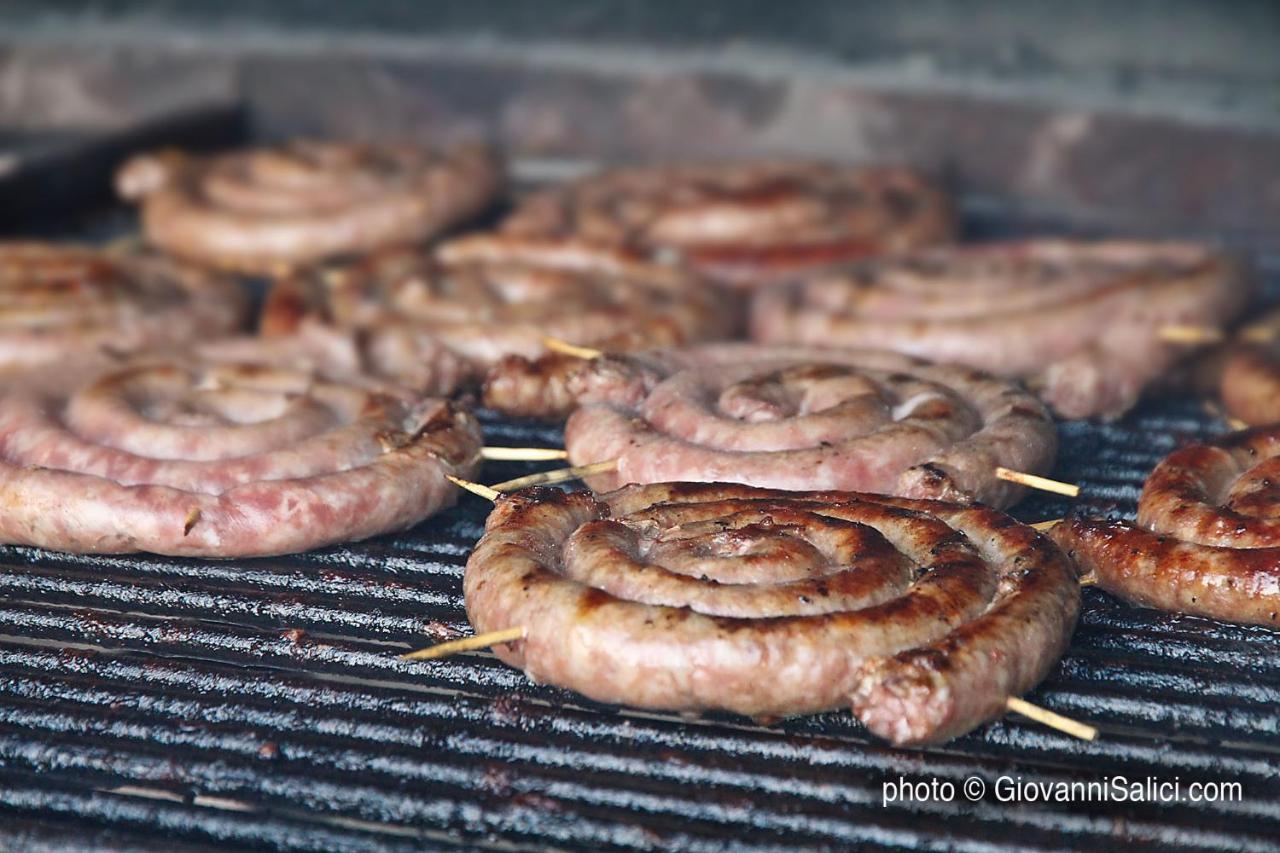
pixel 523 454
pixel 468 644
pixel 123 245
pixel 1037 482
pixel 507 635
pixel 475 488
pixel 557 345
pixel 560 475
pixel 1180 334
pixel 1188 334
pixel 1260 334
pixel 1216 411
pixel 1089 580
pixel 1048 718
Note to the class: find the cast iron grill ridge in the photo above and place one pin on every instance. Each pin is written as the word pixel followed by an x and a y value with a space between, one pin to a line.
pixel 163 702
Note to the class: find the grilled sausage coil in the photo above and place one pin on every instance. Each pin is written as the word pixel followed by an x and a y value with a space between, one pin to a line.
pixel 1080 321
pixel 749 223
pixel 1251 385
pixel 1207 541
pixel 397 362
pixel 483 298
pixel 1249 379
pixel 213 459
pixel 924 615
pixel 805 418
pixel 266 209
pixel 65 304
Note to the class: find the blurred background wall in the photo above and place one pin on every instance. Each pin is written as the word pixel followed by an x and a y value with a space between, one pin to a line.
pixel 1218 58
pixel 1087 109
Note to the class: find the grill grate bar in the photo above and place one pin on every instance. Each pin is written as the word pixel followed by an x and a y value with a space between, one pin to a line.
pixel 523 715
pixel 1102 669
pixel 215 772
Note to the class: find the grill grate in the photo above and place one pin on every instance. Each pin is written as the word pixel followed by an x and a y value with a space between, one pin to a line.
pixel 151 701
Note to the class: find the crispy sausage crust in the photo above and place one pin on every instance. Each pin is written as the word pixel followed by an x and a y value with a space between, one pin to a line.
pixel 1251 384
pixel 1207 540
pixel 804 418
pixel 746 224
pixel 64 304
pixel 222 460
pixel 925 615
pixel 1080 321
pixel 486 298
pixel 393 359
pixel 263 209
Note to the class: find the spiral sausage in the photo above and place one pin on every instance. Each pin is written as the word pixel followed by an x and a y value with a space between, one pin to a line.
pixel 1207 541
pixel 1251 385
pixel 924 615
pixel 1250 374
pixel 746 224
pixel 213 459
pixel 266 209
pixel 483 298
pixel 804 418
pixel 65 305
pixel 1080 321
pixel 397 359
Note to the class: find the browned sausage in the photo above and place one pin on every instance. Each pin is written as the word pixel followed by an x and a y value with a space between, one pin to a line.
pixel 214 459
pixel 924 615
pixel 1207 540
pixel 484 298
pixel 266 209
pixel 806 418
pixel 746 224
pixel 65 304
pixel 1081 322
pixel 1251 384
